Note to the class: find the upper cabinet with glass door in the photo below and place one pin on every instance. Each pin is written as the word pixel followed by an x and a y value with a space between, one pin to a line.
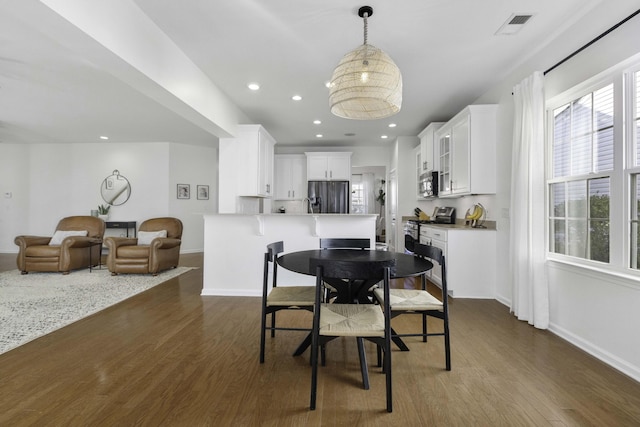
pixel 467 152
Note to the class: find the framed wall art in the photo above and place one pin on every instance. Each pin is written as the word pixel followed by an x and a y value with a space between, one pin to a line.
pixel 203 192
pixel 184 191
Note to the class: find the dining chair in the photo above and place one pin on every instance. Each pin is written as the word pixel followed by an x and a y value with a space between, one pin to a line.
pixel 362 321
pixel 342 243
pixel 277 298
pixel 420 301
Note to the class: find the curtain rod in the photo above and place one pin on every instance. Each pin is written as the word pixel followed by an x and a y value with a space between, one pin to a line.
pixel 593 41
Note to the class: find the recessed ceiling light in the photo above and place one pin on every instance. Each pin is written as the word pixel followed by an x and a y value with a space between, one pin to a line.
pixel 316 122
pixel 253 86
pixel 104 137
pixel 319 135
pixel 384 137
pixel 296 97
pixel 392 125
pixel 328 84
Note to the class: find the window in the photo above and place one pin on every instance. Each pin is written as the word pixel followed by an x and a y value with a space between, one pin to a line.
pixel 593 171
pixel 634 257
pixel 358 205
pixel 582 161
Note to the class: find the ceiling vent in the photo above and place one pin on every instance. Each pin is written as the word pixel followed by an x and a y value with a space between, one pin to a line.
pixel 513 24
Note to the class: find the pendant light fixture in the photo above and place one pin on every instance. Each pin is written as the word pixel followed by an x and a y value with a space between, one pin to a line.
pixel 366 84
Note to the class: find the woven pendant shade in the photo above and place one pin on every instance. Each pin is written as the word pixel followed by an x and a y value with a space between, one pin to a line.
pixel 366 84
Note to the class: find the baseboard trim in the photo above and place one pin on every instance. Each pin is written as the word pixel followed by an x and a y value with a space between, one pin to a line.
pixel 600 354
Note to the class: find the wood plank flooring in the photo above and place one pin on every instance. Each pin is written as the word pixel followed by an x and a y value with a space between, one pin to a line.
pixel 169 357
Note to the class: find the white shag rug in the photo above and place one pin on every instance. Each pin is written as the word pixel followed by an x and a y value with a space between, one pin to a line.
pixel 35 304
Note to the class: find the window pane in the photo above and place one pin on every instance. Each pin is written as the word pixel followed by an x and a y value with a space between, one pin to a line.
pixel 599 240
pixel 557 204
pixel 561 140
pixel 558 234
pixel 581 155
pixel 577 238
pixel 581 116
pixel 636 181
pixel 637 117
pixel 599 198
pixel 634 252
pixel 577 203
pixel 604 150
pixel 637 142
pixel 603 107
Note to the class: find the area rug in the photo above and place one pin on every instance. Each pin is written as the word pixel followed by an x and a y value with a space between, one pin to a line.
pixel 35 304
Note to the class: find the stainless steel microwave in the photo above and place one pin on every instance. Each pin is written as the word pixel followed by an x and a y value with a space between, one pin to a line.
pixel 428 184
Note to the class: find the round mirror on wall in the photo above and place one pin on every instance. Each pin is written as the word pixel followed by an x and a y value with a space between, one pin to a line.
pixel 115 189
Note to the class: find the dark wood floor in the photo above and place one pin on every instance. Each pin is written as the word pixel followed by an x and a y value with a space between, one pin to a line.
pixel 169 357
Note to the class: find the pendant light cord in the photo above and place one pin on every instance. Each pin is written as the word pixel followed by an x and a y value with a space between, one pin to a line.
pixel 365 15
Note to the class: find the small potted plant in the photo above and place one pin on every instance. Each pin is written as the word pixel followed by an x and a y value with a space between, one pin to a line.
pixel 103 212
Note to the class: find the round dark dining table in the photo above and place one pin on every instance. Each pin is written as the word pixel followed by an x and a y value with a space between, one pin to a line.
pixel 406 265
pixel 354 291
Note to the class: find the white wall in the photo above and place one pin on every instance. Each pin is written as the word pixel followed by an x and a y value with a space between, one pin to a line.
pixel 193 165
pixel 598 313
pixel 51 181
pixel 14 179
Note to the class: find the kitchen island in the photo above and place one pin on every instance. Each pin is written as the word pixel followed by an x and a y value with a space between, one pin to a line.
pixel 234 246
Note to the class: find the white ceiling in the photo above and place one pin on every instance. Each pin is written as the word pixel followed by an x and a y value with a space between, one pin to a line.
pixel 54 90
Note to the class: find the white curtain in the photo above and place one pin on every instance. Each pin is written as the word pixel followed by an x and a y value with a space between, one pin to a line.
pixel 530 291
pixel 368 183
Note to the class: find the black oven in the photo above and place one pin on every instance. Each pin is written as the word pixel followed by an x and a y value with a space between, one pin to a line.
pixel 411 235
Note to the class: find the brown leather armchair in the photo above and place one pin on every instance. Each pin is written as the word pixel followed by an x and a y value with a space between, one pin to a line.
pixel 73 252
pixel 127 255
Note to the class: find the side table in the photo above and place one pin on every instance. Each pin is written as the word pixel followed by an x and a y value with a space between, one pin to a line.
pixel 127 225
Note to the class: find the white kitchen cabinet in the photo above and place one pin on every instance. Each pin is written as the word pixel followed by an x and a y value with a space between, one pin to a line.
pixel 467 152
pixel 417 153
pixel 290 177
pixel 245 167
pixel 429 150
pixel 471 259
pixel 327 166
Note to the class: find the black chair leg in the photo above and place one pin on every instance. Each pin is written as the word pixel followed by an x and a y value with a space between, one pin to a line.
pixel 447 348
pixel 363 363
pixel 263 332
pixel 273 324
pixel 424 327
pixel 314 377
pixel 387 370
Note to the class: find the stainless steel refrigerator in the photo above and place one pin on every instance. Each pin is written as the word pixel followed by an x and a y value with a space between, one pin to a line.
pixel 329 196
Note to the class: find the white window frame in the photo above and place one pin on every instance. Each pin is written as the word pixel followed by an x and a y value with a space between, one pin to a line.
pixel 620 178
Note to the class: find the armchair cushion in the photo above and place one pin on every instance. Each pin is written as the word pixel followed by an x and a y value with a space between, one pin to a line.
pixel 60 235
pixel 146 237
